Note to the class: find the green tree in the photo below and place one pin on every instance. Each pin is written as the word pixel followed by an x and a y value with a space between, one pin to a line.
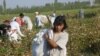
pixel 4 6
pixel 97 1
pixel 0 9
pixel 55 5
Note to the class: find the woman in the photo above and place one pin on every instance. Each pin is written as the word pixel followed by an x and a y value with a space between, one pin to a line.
pixel 56 45
pixel 15 32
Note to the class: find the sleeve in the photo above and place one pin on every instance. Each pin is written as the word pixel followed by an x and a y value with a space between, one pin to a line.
pixel 62 41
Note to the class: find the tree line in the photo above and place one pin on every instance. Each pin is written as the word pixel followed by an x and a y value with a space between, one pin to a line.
pixel 48 7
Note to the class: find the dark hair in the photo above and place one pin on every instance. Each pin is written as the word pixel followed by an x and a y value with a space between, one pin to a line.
pixel 21 15
pixel 60 20
pixel 6 21
pixel 8 27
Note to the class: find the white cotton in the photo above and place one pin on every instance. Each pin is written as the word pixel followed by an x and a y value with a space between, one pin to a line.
pixel 39 36
pixel 38 43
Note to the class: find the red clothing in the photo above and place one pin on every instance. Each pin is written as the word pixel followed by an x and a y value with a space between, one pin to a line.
pixel 20 21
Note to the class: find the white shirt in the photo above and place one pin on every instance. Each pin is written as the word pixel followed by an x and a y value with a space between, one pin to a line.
pixel 15 25
pixel 28 22
pixel 61 40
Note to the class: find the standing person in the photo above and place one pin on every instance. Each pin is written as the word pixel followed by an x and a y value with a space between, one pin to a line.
pixel 40 20
pixel 56 45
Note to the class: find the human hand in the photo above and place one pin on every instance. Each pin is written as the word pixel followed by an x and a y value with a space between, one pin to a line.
pixel 46 36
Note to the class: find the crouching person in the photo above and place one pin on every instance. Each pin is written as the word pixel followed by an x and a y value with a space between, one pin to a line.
pixel 14 32
pixel 3 30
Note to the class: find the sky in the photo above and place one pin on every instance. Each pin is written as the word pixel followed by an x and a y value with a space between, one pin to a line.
pixel 29 3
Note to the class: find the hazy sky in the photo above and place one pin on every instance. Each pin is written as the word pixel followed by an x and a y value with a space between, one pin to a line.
pixel 29 3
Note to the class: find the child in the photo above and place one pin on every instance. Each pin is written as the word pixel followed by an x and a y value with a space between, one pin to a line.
pixel 53 40
pixel 56 45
